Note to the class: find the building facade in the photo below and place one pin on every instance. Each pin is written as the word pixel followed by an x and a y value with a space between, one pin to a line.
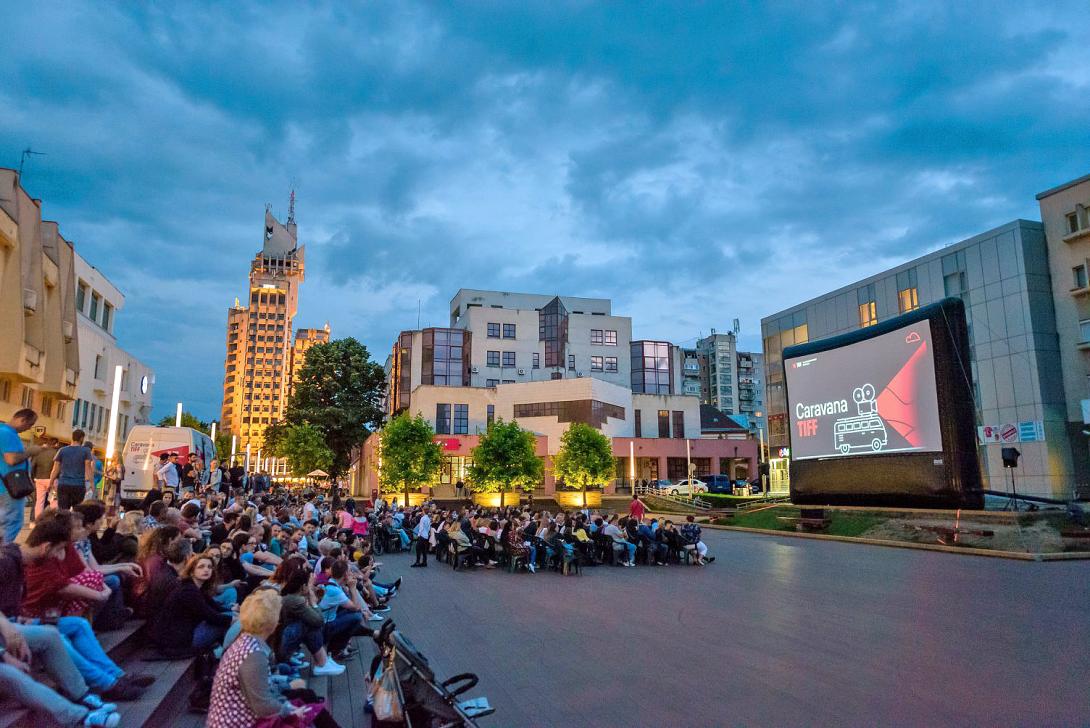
pixel 726 378
pixel 257 367
pixel 305 340
pixel 545 362
pixel 1003 278
pixel 98 303
pixel 39 361
pixel 1065 214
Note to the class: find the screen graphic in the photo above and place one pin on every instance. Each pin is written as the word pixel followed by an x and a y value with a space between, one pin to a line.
pixel 872 397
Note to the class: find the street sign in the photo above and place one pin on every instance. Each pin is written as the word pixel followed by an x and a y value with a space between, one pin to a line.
pixel 1008 433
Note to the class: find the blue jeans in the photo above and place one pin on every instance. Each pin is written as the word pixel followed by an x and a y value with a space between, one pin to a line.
pixel 227 597
pixel 631 547
pixel 207 636
pixel 401 534
pixel 11 515
pixel 295 634
pixel 97 669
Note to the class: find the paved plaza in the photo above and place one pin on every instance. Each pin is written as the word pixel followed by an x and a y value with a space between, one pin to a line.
pixel 779 631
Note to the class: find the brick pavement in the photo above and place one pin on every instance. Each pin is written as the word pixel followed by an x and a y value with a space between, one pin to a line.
pixel 778 631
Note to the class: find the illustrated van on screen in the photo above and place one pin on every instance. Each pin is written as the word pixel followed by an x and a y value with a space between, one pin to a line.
pixel 873 396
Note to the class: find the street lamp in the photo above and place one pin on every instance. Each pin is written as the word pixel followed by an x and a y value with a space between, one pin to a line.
pixel 213 433
pixel 247 458
pixel 178 416
pixel 234 448
pixel 111 436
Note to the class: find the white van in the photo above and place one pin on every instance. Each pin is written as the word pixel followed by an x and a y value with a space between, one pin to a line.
pixel 146 443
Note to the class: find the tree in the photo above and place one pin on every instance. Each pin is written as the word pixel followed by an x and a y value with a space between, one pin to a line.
pixel 505 457
pixel 272 439
pixel 339 392
pixel 585 457
pixel 188 420
pixel 410 455
pixel 305 448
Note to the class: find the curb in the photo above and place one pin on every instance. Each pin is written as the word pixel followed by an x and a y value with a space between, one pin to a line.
pixel 1015 555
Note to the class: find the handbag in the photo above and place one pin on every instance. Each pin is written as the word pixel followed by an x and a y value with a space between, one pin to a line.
pixel 385 698
pixel 18 484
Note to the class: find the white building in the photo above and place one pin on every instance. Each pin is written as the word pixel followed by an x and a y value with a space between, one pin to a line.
pixel 97 303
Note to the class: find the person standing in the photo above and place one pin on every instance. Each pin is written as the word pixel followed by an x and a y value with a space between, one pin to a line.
pixel 41 469
pixel 215 476
pixel 168 474
pixel 191 473
pixel 423 537
pixel 13 456
pixel 73 470
pixel 636 509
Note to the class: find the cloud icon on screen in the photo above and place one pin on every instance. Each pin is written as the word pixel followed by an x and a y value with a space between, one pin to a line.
pixel 912 338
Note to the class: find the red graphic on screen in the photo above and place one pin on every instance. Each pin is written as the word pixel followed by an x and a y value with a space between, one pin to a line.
pixel 897 403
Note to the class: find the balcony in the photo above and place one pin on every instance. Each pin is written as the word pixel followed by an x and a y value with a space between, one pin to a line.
pixel 1077 235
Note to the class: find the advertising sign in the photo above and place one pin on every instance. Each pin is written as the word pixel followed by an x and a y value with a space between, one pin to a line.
pixel 875 396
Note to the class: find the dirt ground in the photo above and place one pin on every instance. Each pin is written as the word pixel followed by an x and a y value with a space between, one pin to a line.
pixel 1038 537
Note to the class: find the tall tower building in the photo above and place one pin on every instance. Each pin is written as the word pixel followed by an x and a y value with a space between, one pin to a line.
pixel 257 373
pixel 305 339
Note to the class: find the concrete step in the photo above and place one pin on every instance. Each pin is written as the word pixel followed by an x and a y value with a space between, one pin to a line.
pixel 173 683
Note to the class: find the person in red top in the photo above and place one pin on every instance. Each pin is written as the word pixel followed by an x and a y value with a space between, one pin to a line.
pixel 636 509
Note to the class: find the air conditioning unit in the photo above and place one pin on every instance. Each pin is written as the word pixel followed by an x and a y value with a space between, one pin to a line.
pixel 67 328
pixel 30 300
pixel 474 370
pixel 522 371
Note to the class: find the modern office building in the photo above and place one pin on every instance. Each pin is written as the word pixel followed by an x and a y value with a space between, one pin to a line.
pixel 257 368
pixel 39 359
pixel 1065 214
pixel 546 361
pixel 1002 276
pixel 305 340
pixel 98 303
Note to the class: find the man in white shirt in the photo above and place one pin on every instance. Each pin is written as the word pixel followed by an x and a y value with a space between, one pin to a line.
pixel 168 473
pixel 423 536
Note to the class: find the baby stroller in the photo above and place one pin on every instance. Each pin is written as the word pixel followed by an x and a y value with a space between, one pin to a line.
pixel 401 675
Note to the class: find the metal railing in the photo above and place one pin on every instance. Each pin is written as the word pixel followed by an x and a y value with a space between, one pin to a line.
pixel 688 501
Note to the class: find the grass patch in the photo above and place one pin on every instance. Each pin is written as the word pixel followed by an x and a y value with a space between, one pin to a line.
pixel 842 523
pixel 722 499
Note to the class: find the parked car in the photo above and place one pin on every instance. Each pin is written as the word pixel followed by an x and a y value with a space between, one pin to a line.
pixel 719 484
pixel 687 488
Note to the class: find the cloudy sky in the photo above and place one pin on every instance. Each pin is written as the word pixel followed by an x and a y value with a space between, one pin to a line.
pixel 693 162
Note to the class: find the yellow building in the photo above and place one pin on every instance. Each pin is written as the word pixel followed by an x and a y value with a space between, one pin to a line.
pixel 39 359
pixel 305 339
pixel 259 348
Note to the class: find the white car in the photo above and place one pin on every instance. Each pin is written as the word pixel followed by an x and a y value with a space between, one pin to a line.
pixel 688 487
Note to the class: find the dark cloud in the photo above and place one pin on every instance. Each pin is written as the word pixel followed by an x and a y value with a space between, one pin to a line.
pixel 695 162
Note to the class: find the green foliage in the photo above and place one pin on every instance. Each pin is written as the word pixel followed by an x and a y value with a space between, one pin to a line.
pixel 272 441
pixel 505 459
pixel 223 447
pixel 305 448
pixel 188 420
pixel 585 457
pixel 410 455
pixel 339 392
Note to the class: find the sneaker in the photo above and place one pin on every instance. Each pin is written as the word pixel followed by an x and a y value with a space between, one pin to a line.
pixel 381 610
pixel 102 719
pixel 375 618
pixel 94 702
pixel 123 691
pixel 397 584
pixel 329 668
pixel 140 680
pixel 532 568
pixel 298 664
pixel 709 559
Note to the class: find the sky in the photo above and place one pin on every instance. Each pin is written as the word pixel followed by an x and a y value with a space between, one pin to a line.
pixel 694 162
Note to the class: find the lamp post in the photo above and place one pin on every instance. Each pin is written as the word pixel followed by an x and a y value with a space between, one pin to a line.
pixel 213 433
pixel 632 464
pixel 178 416
pixel 247 458
pixel 111 436
pixel 234 446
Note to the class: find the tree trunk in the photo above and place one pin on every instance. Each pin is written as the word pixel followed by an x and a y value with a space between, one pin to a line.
pixel 406 503
pixel 584 495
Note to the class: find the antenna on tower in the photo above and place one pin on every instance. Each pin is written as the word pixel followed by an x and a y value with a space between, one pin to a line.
pixel 418 313
pixel 291 207
pixel 28 152
pixel 737 326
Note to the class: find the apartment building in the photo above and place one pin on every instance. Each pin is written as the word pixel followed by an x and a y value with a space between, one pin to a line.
pixel 1002 276
pixel 257 367
pixel 545 362
pixel 1065 214
pixel 98 303
pixel 39 362
pixel 305 340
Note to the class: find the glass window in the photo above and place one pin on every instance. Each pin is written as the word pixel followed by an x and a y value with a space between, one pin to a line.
pixel 596 336
pixel 908 300
pixel 95 298
pixel 611 337
pixel 679 424
pixel 509 358
pixel 442 419
pixel 99 367
pixel 508 381
pixel 664 423
pixel 461 419
pixel 493 359
pixel 637 423
pixel 81 296
pixel 490 415
pixel 953 284
pixel 611 363
pixel 1079 272
pixel 491 382
pixel 537 360
pixel 571 361
pixel 107 311
pixel 493 330
pixel 1072 223
pixel 508 331
pixel 596 363
pixel 868 314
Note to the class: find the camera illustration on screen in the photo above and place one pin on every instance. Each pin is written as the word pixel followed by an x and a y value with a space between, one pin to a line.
pixel 865 431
